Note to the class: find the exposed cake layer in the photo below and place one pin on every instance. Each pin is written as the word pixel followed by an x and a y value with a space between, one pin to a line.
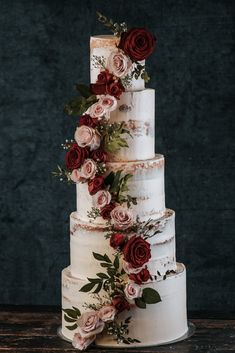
pixel 158 323
pixel 147 185
pixel 85 238
pixel 137 111
pixel 100 48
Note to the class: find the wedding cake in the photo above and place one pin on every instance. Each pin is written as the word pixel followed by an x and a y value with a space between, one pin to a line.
pixel 123 286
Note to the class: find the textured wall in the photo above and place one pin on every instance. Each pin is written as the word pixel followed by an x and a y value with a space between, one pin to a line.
pixel 44 51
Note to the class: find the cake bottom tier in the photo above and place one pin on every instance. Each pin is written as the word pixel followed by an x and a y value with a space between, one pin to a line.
pixel 157 324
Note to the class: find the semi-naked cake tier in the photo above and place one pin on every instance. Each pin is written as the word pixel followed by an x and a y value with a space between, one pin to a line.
pixel 154 325
pixel 85 236
pixel 147 185
pixel 101 47
pixel 137 111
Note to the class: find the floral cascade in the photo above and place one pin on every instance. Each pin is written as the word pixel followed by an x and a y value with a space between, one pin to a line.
pixel 123 282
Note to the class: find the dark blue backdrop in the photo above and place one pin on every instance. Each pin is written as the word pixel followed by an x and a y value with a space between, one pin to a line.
pixel 44 52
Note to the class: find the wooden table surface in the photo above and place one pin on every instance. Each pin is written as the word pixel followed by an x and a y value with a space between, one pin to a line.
pixel 34 329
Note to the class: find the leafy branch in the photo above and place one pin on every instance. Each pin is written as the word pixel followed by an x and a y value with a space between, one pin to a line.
pixel 118 187
pixel 78 105
pixel 71 316
pixel 112 136
pixel 116 28
pixel 106 281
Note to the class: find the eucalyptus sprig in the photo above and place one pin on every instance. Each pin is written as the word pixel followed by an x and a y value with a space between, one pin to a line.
pixel 62 174
pixel 114 27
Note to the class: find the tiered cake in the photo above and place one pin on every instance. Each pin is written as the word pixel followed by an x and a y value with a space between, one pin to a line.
pixel 122 239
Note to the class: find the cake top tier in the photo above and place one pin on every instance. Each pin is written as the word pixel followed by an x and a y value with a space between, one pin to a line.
pixel 105 55
pixel 122 55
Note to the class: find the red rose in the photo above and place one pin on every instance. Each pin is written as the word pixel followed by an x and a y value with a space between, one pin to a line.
pixel 106 84
pixel 97 89
pixel 96 184
pixel 120 303
pixel 99 155
pixel 137 251
pixel 137 43
pixel 106 210
pixel 115 89
pixel 104 77
pixel 88 121
pixel 75 156
pixel 117 240
pixel 142 276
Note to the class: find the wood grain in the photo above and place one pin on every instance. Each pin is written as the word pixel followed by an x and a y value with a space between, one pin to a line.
pixel 35 330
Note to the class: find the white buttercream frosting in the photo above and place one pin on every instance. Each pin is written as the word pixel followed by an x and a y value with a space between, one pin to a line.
pixel 158 323
pixel 137 111
pixel 85 238
pixel 102 46
pixel 147 185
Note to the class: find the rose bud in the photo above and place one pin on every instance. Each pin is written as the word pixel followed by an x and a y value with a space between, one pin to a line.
pixel 117 240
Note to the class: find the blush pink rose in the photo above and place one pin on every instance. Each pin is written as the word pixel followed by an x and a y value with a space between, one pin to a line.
pixel 76 177
pixel 132 290
pixel 86 136
pixel 102 198
pixel 89 324
pixel 88 169
pixel 107 313
pixel 82 343
pixel 122 217
pixel 97 110
pixel 118 63
pixel 108 102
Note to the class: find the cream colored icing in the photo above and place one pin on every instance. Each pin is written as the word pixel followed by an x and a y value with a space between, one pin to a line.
pixel 158 323
pixel 147 185
pixel 85 238
pixel 137 111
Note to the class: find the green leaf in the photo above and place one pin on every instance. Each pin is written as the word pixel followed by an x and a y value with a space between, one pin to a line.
pixel 98 257
pixel 83 90
pixel 71 313
pixel 73 107
pixel 68 319
pixel 98 288
pixel 104 264
pixel 140 303
pixel 102 275
pixel 94 280
pixel 107 259
pixel 116 262
pixel 109 179
pixel 77 311
pixel 78 105
pixel 92 99
pixel 111 271
pixel 151 296
pixel 71 328
pixel 88 287
pixel 114 187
